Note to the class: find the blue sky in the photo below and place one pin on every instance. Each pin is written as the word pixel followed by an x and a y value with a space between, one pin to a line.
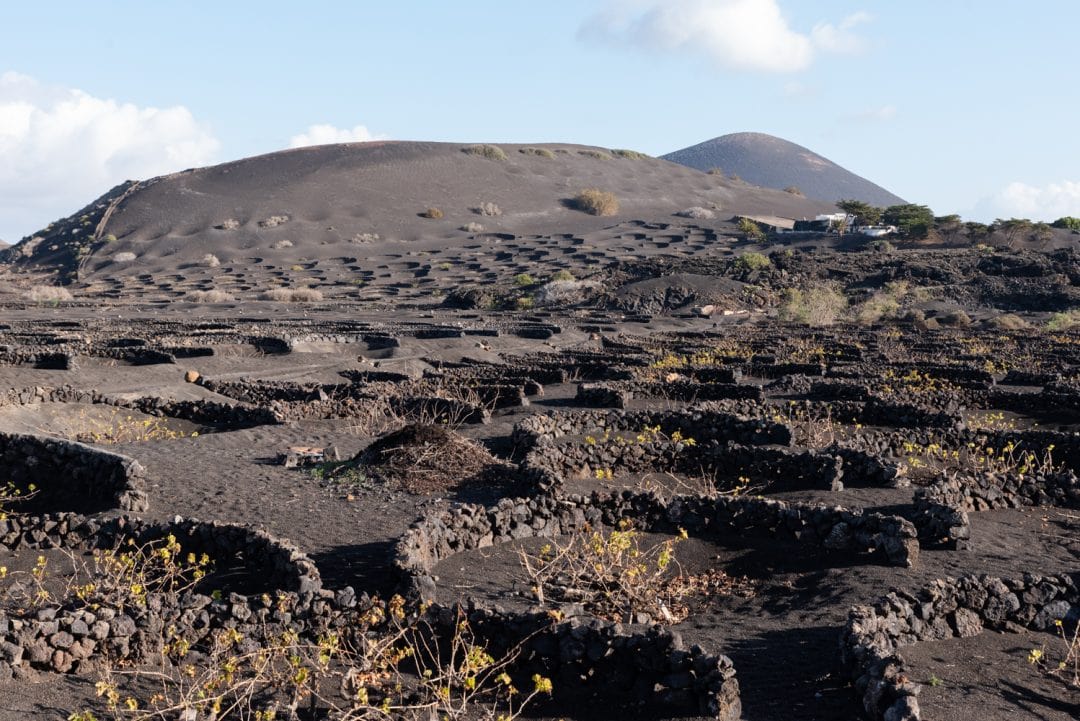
pixel 967 106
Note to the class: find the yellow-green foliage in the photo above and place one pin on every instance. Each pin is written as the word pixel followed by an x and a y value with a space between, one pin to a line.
pixel 1064 321
pixel 597 202
pixel 539 152
pixel 595 154
pixel 629 154
pixel 491 152
pixel 750 262
pixel 815 306
pixel 433 213
pixel 751 229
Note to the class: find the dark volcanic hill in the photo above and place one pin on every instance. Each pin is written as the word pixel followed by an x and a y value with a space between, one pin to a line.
pixel 311 205
pixel 777 163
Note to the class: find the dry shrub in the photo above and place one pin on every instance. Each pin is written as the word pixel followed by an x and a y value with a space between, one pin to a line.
pixel 282 244
pixel 209 296
pixel 815 306
pixel 1065 320
pixel 491 152
pixel 366 238
pixel 956 319
pixel 697 213
pixel 292 295
pixel 48 294
pixel 595 154
pixel 539 152
pixel 629 154
pixel 794 190
pixel 124 257
pixel 488 210
pixel 473 228
pixel 210 260
pixel 423 459
pixel 1009 321
pixel 597 202
pixel 230 224
pixel 274 221
pixel 433 213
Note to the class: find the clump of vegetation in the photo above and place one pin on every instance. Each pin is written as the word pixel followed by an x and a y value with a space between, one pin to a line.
pixel 595 154
pixel 562 275
pixel 882 305
pixel 911 220
pixel 794 190
pixel 473 227
pixel 48 294
pixel 524 302
pixel 230 224
pixel 539 152
pixel 523 279
pixel 1067 222
pixel 1067 667
pixel 618 576
pixel 629 154
pixel 282 244
pixel 752 262
pixel 489 210
pixel 124 257
pixel 274 221
pixel 292 295
pixel 210 261
pixel 719 172
pixel 597 202
pixel 209 296
pixel 880 245
pixel 957 319
pixel 433 213
pixel 366 238
pixel 491 152
pixel 751 230
pixel 1064 320
pixel 1009 321
pixel 697 213
pixel 423 458
pixel 120 427
pixel 817 306
pixel 864 213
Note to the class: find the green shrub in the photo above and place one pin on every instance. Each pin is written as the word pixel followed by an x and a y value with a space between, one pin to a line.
pixel 562 275
pixel 524 302
pixel 539 152
pixel 1067 222
pixel 751 230
pixel 594 154
pixel 817 306
pixel 491 152
pixel 629 154
pixel 523 279
pixel 1065 320
pixel 751 262
pixel 597 202
pixel 880 245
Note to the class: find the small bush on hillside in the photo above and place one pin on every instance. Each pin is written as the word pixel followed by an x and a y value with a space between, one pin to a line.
pixel 595 154
pixel 489 210
pixel 816 306
pixel 209 296
pixel 794 190
pixel 750 262
pixel 1064 321
pixel 292 295
pixel 525 302
pixel 48 294
pixel 1067 222
pixel 882 305
pixel 210 261
pixel 629 154
pixel 230 224
pixel 539 152
pixel 523 279
pixel 562 275
pixel 1009 321
pixel 491 152
pixel 473 228
pixel 274 221
pixel 433 213
pixel 125 257
pixel 716 171
pixel 751 230
pixel 597 202
pixel 956 319
pixel 282 244
pixel 110 238
pixel 697 213
pixel 880 246
pixel 366 238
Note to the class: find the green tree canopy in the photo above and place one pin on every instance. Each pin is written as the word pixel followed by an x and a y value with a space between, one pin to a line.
pixel 1068 222
pixel 865 214
pixel 913 221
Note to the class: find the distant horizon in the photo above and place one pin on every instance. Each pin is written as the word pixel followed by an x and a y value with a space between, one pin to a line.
pixel 966 112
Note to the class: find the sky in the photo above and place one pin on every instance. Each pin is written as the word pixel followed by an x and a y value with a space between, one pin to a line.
pixel 968 106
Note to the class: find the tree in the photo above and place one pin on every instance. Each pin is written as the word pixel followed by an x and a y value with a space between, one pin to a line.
pixel 865 214
pixel 976 231
pixel 913 221
pixel 1012 229
pixel 1067 222
pixel 948 225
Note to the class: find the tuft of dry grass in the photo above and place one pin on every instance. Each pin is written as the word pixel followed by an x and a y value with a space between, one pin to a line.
pixel 433 213
pixel 274 221
pixel 488 210
pixel 48 293
pixel 595 154
pixel 124 257
pixel 629 154
pixel 210 261
pixel 697 213
pixel 491 152
pixel 292 295
pixel 597 202
pixel 281 244
pixel 539 152
pixel 473 228
pixel 209 296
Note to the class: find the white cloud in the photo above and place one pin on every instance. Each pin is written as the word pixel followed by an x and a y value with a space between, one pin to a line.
pixel 61 147
pixel 1020 200
pixel 326 134
pixel 881 113
pixel 737 34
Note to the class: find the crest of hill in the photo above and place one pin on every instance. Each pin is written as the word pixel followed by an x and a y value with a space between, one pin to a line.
pixel 773 162
pixel 325 199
